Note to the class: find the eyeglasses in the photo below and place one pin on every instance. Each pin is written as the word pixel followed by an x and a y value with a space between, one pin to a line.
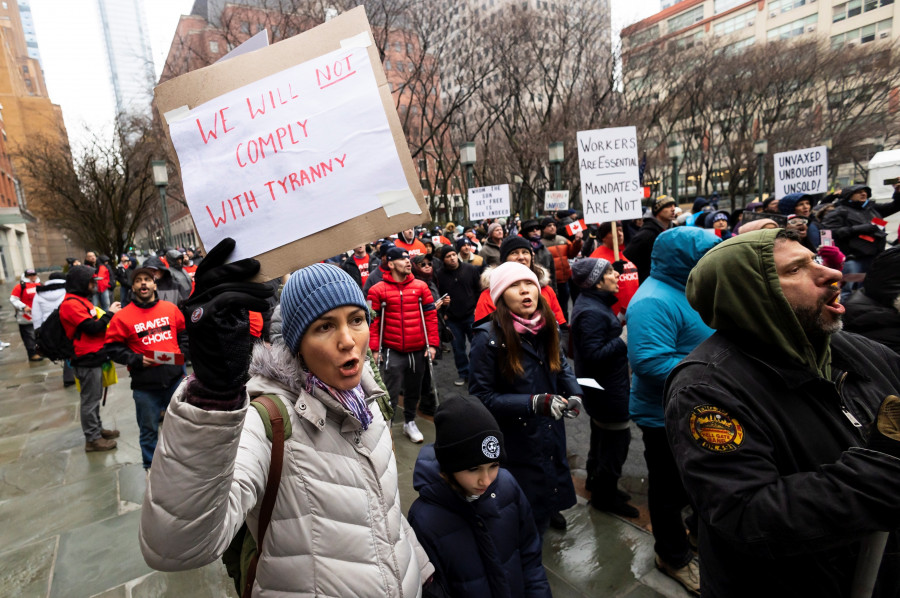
pixel 797 221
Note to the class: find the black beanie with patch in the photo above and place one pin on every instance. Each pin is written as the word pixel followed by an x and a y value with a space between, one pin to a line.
pixel 466 434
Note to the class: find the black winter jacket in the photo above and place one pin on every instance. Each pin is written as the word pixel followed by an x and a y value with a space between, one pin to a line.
pixel 468 543
pixel 464 287
pixel 640 248
pixel 872 320
pixel 601 354
pixel 535 444
pixel 845 220
pixel 774 458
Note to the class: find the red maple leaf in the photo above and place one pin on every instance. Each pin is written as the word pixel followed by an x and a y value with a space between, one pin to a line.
pixel 164 358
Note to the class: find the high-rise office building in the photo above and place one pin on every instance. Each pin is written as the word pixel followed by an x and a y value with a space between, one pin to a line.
pixel 126 40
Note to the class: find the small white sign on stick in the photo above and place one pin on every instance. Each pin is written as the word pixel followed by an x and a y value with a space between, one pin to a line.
pixel 555 201
pixel 801 171
pixel 610 178
pixel 488 202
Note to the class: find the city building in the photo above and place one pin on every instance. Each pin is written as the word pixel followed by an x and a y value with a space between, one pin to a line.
pixel 126 41
pixel 28 117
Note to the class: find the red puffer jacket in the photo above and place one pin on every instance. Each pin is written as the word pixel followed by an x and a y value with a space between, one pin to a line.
pixel 402 321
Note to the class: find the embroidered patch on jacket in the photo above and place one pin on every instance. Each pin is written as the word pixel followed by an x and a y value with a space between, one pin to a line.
pixel 715 430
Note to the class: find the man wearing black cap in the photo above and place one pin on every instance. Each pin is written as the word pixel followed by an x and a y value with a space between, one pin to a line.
pixel 641 245
pixel 531 231
pixel 378 274
pixel 463 283
pixel 465 249
pixel 22 298
pixel 406 303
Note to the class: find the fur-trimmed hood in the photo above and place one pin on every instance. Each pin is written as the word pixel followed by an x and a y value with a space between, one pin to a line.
pixel 539 270
pixel 274 369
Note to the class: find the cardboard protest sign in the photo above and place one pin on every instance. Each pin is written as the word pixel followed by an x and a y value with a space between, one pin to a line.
pixel 488 202
pixel 801 171
pixel 555 201
pixel 610 177
pixel 294 150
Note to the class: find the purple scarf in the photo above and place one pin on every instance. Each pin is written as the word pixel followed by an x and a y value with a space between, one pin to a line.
pixel 523 326
pixel 353 400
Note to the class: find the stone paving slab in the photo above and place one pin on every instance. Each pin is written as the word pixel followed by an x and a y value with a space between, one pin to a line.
pixel 26 570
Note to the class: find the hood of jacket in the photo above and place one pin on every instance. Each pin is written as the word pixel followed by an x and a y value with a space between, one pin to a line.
pixel 848 192
pixel 52 285
pixel 735 289
pixel 542 274
pixel 882 281
pixel 78 280
pixel 788 203
pixel 711 218
pixel 157 264
pixel 677 251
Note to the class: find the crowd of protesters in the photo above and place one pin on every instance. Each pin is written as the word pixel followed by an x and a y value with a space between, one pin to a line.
pixel 345 342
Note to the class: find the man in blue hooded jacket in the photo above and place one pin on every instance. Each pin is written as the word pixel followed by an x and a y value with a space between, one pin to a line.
pixel 663 329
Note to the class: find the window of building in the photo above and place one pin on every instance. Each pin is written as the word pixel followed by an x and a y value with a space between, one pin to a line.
pixel 876 31
pixel 6 6
pixel 387 65
pixel 409 48
pixel 214 47
pixel 401 66
pixel 688 17
pixel 736 47
pixel 689 41
pixel 776 7
pixel 735 23
pixel 25 68
pixel 723 5
pixel 642 37
pixel 398 47
pixel 847 10
pixel 795 28
pixel 245 27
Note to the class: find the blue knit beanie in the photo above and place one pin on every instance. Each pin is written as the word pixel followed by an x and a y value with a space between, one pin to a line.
pixel 311 292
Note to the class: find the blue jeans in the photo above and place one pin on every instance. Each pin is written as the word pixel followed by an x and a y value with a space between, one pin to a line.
pixel 149 405
pixel 461 330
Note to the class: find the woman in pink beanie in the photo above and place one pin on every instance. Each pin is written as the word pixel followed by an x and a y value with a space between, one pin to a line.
pixel 520 374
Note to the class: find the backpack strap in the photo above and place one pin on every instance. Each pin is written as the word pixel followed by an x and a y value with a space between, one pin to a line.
pixel 278 423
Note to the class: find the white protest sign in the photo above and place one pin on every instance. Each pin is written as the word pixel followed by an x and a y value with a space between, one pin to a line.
pixel 290 155
pixel 555 201
pixel 488 202
pixel 801 171
pixel 610 181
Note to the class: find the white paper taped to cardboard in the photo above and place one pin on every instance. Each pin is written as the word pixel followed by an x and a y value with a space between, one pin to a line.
pixel 176 114
pixel 399 202
pixel 361 40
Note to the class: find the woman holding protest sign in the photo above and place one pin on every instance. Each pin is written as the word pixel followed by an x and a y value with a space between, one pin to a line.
pixel 336 500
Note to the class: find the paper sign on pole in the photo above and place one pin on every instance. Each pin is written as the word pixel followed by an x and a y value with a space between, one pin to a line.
pixel 555 201
pixel 294 150
pixel 801 171
pixel 488 202
pixel 610 178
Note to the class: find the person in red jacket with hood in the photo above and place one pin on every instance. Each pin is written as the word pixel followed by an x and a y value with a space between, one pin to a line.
pixel 403 302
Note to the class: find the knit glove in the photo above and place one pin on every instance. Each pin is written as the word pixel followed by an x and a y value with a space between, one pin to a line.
pixel 550 405
pixel 832 257
pixel 865 229
pixel 217 318
pixel 885 434
pixel 574 407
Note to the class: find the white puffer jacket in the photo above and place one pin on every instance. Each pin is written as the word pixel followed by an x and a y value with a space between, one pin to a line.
pixel 336 530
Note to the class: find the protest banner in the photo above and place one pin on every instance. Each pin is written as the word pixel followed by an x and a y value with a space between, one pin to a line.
pixel 610 178
pixel 294 150
pixel 801 171
pixel 488 202
pixel 555 201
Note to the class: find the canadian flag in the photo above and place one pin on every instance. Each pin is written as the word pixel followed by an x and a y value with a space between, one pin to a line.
pixel 165 357
pixel 576 227
pixel 879 222
pixel 436 240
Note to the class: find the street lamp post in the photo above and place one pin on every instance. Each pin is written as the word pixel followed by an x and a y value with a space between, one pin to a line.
pixel 161 180
pixel 676 152
pixel 467 157
pixel 760 148
pixel 557 155
pixel 829 143
pixel 517 180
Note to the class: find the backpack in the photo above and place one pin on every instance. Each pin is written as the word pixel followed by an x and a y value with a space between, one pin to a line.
pixel 242 555
pixel 51 338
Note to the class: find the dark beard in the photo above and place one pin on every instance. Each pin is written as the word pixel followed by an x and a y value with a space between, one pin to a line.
pixel 817 330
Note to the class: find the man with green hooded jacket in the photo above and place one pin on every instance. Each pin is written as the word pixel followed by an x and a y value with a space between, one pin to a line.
pixel 781 428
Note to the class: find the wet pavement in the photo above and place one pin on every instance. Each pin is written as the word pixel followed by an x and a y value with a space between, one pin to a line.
pixel 70 518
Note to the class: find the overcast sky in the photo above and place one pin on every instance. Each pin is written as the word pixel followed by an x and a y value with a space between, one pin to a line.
pixel 74 66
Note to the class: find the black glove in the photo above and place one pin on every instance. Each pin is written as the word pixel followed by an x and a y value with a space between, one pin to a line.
pixel 885 434
pixel 619 266
pixel 217 317
pixel 866 229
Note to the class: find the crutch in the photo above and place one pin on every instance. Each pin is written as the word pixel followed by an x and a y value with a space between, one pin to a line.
pixel 437 399
pixel 380 337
